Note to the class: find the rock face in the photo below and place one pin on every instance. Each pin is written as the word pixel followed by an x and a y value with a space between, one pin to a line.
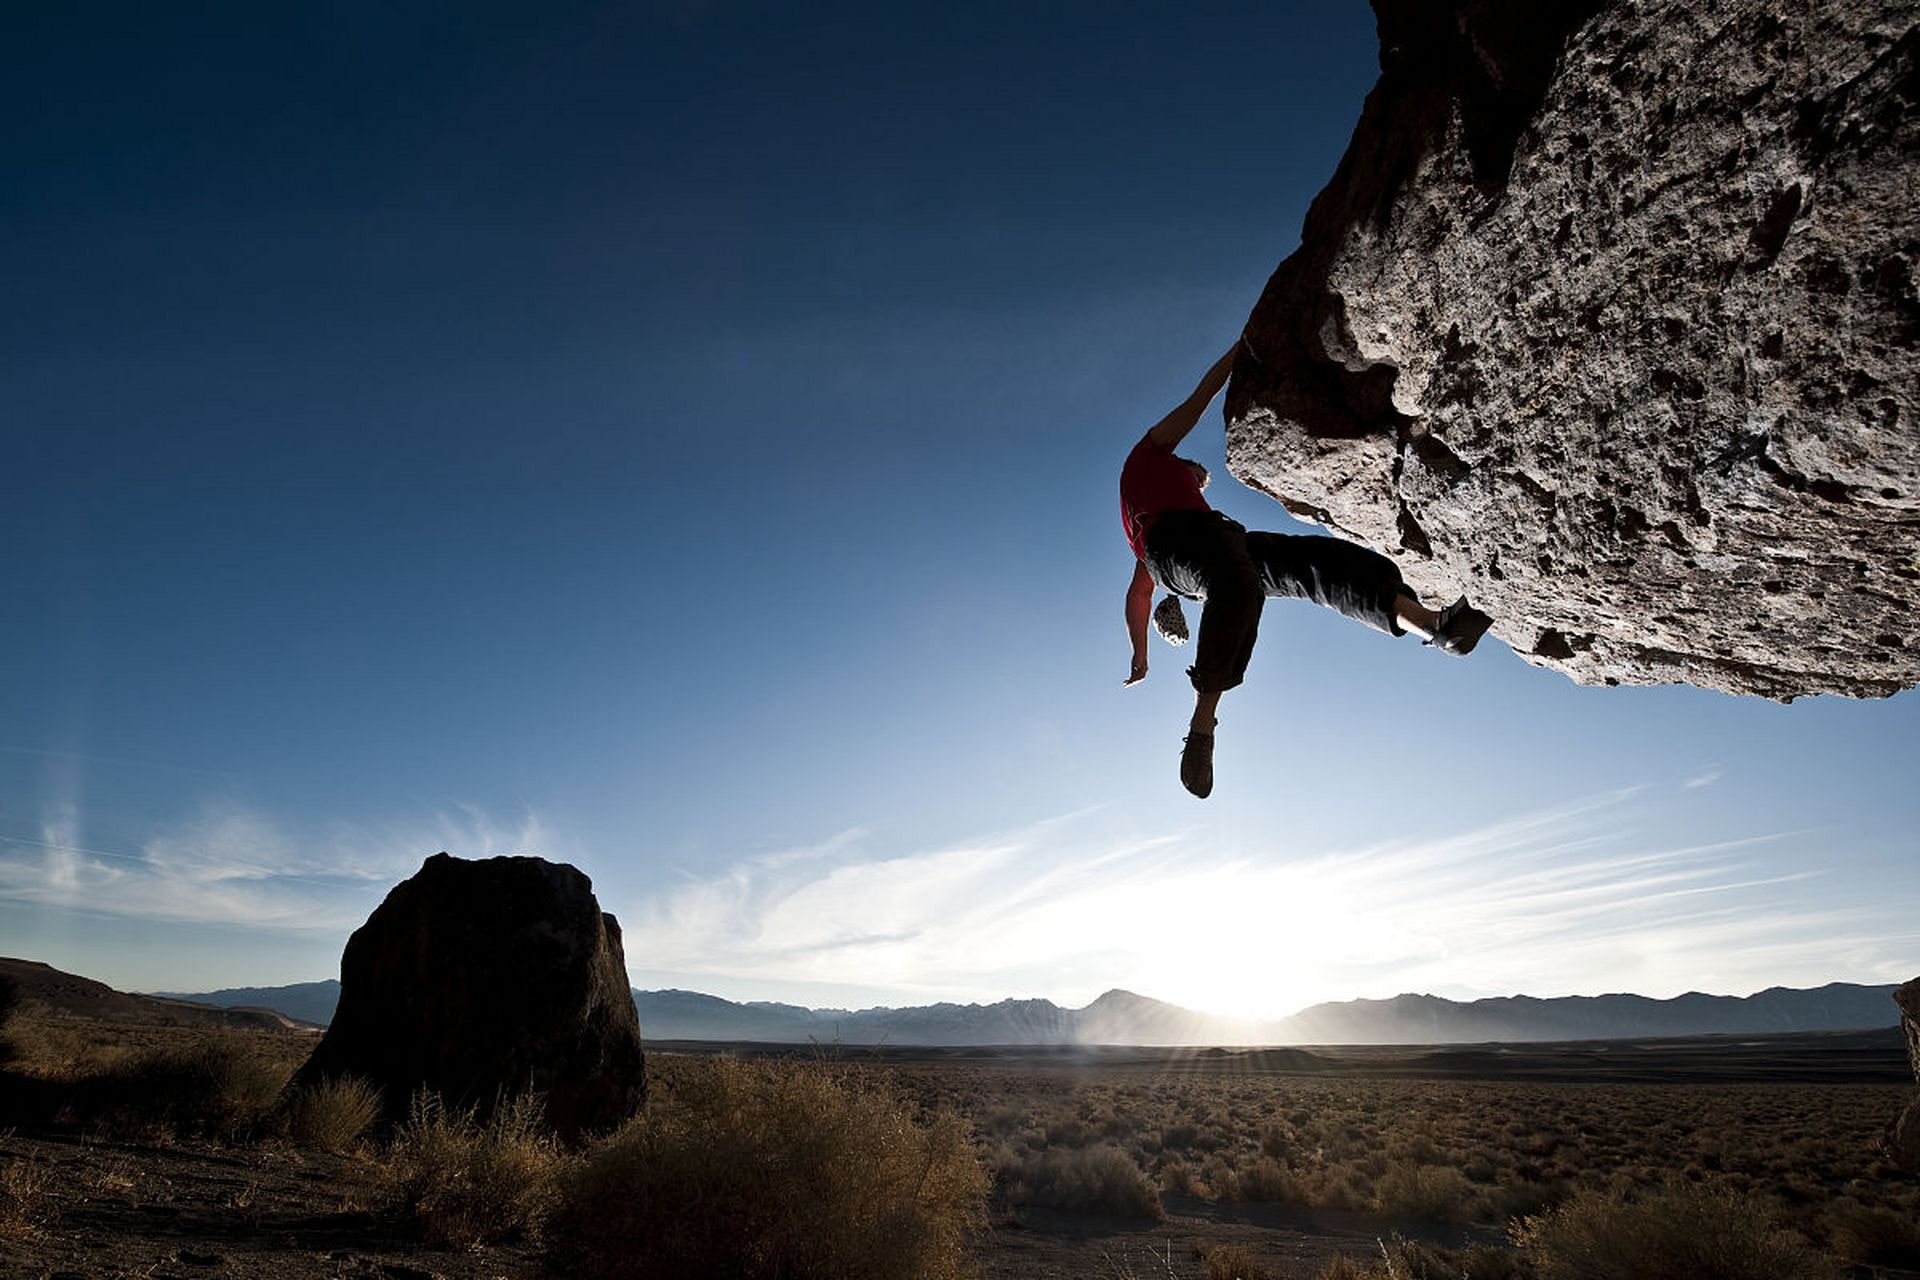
pixel 1903 1138
pixel 1609 319
pixel 1908 998
pixel 481 979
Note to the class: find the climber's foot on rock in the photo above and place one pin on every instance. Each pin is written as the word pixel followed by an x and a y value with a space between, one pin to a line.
pixel 1460 628
pixel 1196 764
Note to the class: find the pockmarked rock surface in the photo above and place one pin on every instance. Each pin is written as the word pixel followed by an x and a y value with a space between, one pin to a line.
pixel 1608 319
pixel 483 979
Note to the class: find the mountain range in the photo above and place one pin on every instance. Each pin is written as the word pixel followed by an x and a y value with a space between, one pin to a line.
pixel 1121 1017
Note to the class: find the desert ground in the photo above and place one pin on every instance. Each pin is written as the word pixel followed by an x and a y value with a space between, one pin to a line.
pixel 118 1162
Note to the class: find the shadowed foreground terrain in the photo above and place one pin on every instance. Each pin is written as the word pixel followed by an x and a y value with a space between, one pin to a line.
pixel 1038 1162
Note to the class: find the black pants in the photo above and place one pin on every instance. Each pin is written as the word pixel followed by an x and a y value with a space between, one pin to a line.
pixel 1203 555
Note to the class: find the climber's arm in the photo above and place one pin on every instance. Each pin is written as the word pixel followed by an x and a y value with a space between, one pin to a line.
pixel 1173 428
pixel 1139 606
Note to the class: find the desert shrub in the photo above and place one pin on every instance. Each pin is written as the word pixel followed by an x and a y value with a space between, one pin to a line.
pixel 1215 1179
pixel 1266 1181
pixel 1402 1259
pixel 1873 1236
pixel 1097 1179
pixel 332 1114
pixel 1066 1131
pixel 1176 1177
pixel 1483 1262
pixel 1006 1120
pixel 212 1086
pixel 1231 1262
pixel 1432 1193
pixel 760 1170
pixel 464 1181
pixel 1684 1232
pixel 1178 1137
pixel 54 1050
pixel 1521 1197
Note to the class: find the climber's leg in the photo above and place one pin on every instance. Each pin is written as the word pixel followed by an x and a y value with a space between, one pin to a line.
pixel 1413 616
pixel 1340 575
pixel 1204 554
pixel 1363 585
pixel 1230 619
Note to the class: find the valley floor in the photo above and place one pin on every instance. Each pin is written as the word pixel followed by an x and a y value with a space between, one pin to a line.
pixel 1131 1164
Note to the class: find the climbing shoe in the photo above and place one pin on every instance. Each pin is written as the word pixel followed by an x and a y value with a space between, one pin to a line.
pixel 1196 764
pixel 1461 626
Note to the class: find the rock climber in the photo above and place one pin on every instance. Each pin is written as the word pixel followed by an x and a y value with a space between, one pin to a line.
pixel 1197 553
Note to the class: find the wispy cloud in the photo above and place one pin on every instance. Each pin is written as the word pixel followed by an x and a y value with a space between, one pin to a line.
pixel 233 865
pixel 1555 901
pixel 1552 901
pixel 1705 778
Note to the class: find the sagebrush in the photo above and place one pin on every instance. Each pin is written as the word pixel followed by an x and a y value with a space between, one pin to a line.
pixel 331 1114
pixel 466 1181
pixel 773 1170
pixel 1684 1232
pixel 213 1086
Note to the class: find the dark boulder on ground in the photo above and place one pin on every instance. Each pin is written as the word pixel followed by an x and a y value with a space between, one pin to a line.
pixel 482 979
pixel 1608 318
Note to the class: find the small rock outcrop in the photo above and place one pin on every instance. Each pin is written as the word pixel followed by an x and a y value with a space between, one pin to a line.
pixel 1608 318
pixel 482 979
pixel 1903 1138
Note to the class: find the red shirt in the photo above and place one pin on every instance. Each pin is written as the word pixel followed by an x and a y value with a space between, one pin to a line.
pixel 1152 483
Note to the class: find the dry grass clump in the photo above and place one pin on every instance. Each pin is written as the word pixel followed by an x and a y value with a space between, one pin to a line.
pixel 1102 1179
pixel 50 1046
pixel 213 1086
pixel 1402 1259
pixel 1265 1180
pixel 761 1170
pixel 142 1082
pixel 1428 1192
pixel 1873 1236
pixel 331 1115
pixel 1683 1232
pixel 465 1181
pixel 23 1199
pixel 1231 1262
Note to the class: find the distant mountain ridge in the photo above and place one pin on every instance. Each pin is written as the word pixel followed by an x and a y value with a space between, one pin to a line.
pixel 1121 1017
pixel 307 1001
pixel 68 995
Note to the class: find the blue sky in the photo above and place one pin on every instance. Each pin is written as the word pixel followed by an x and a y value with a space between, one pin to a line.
pixel 682 439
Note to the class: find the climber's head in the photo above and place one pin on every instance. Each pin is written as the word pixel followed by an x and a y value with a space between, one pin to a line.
pixel 1200 475
pixel 1169 621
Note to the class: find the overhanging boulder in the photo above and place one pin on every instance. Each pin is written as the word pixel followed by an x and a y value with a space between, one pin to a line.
pixel 1609 319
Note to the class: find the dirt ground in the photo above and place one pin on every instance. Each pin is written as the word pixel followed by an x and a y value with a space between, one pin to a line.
pixel 1044 1244
pixel 1792 1121
pixel 117 1211
pixel 121 1211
